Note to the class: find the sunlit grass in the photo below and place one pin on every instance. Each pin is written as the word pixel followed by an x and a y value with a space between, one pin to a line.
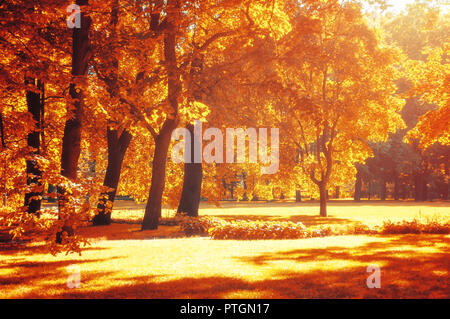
pixel 124 262
pixel 411 266
pixel 339 212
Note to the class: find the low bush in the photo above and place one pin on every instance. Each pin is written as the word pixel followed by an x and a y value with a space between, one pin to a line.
pixel 430 226
pixel 200 226
pixel 218 228
pixel 242 229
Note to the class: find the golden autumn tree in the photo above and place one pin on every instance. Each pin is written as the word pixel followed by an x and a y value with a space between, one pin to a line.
pixel 421 31
pixel 106 64
pixel 338 93
pixel 224 75
pixel 35 78
pixel 164 84
pixel 432 83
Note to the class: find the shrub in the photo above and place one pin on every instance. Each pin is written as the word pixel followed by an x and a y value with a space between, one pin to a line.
pixel 219 228
pixel 259 230
pixel 192 226
pixel 430 226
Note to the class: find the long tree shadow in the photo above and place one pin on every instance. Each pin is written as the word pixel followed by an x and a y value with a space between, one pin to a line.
pixel 37 278
pixel 23 249
pixel 412 266
pixel 128 231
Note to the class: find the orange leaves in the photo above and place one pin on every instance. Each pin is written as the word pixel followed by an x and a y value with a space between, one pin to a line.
pixel 339 92
pixel 431 83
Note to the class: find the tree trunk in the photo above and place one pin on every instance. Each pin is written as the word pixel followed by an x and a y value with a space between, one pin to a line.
pixel 162 140
pixel 298 196
pixel 71 143
pixel 3 143
pixel 337 192
pixel 192 183
pixel 153 207
pixel 418 185
pixel 323 199
pixel 424 195
pixel 383 190
pixel 117 147
pixel 35 103
pixel 358 187
pixel 396 187
pixel 2 132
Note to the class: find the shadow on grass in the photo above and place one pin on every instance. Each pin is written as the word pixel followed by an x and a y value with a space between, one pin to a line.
pixel 38 276
pixel 22 249
pixel 412 266
pixel 128 231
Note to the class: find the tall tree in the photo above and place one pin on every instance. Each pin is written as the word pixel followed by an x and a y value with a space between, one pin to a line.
pixel 35 103
pixel 336 79
pixel 162 139
pixel 71 142
pixel 192 183
pixel 118 140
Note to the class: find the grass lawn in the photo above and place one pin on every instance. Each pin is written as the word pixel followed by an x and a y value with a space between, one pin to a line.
pixel 123 262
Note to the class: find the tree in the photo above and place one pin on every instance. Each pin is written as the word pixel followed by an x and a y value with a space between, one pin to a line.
pixel 337 79
pixel 118 139
pixel 432 82
pixel 71 142
pixel 196 40
pixel 192 183
pixel 35 103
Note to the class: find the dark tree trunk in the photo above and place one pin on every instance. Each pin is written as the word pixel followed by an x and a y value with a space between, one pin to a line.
pixel 298 196
pixel 383 190
pixel 418 185
pixel 162 140
pixel 3 143
pixel 72 130
pixel 396 187
pixel 192 183
pixel 51 189
pixel 358 187
pixel 445 191
pixel 35 103
pixel 424 195
pixel 117 147
pixel 2 132
pixel 323 199
pixel 337 192
pixel 71 144
pixel 153 207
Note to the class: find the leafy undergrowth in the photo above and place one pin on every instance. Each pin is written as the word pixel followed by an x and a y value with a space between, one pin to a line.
pixel 416 226
pixel 219 228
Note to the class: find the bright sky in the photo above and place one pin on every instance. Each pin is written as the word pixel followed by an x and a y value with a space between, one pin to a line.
pixel 399 5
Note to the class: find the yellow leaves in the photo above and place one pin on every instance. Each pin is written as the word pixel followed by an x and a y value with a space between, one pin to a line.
pixel 194 110
pixel 272 18
pixel 432 83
